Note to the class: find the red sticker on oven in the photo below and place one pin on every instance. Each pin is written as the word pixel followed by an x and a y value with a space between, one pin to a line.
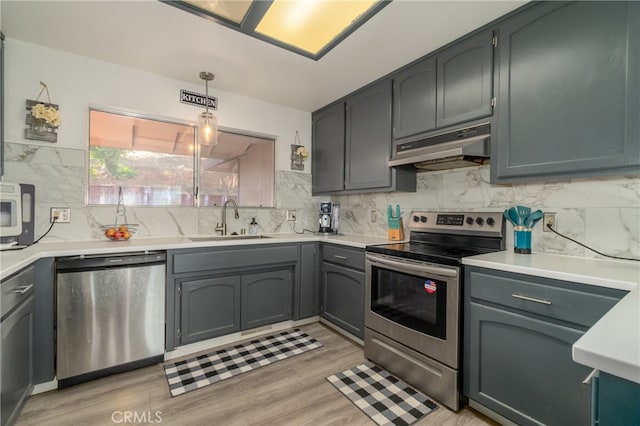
pixel 430 286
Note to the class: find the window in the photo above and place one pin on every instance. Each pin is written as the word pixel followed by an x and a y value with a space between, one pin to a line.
pixel 157 163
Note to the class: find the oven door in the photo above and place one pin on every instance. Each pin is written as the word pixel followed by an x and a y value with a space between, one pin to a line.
pixel 416 304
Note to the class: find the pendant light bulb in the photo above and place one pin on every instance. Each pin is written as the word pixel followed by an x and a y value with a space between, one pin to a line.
pixel 207 122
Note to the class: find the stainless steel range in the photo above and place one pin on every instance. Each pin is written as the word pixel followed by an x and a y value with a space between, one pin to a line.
pixel 413 298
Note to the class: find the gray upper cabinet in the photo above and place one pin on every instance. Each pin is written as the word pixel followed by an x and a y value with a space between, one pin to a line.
pixel 414 99
pixel 353 154
pixel 569 92
pixel 368 138
pixel 451 87
pixel 327 160
pixel 465 80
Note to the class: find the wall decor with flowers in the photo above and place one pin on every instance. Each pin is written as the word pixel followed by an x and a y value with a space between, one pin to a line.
pixel 43 118
pixel 298 154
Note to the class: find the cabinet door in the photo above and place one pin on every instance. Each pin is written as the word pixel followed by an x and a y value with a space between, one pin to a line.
pixel 569 91
pixel 368 138
pixel 414 99
pixel 521 368
pixel 308 282
pixel 266 298
pixel 210 307
pixel 327 160
pixel 343 298
pixel 465 80
pixel 16 376
pixel 44 320
pixel 618 401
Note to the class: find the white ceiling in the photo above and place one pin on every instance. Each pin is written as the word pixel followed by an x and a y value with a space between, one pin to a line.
pixel 164 40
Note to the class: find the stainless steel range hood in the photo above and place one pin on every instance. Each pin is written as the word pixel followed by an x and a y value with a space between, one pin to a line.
pixel 469 146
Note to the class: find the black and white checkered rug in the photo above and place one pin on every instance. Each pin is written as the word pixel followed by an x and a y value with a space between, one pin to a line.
pixel 203 370
pixel 386 399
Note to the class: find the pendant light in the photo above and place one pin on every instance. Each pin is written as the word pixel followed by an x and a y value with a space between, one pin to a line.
pixel 207 122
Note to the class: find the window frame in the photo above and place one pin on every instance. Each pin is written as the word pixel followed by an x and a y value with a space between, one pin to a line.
pixel 197 164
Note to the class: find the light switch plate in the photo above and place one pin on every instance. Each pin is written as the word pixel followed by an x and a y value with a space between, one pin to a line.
pixel 291 215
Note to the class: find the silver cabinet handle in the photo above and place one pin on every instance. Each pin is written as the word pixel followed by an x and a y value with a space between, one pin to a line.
pixel 531 299
pixel 587 380
pixel 23 289
pixel 340 257
pixel 409 266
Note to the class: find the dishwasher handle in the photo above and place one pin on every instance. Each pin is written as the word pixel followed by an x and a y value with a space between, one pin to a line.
pixel 115 260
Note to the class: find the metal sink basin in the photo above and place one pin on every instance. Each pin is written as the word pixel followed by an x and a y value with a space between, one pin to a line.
pixel 228 237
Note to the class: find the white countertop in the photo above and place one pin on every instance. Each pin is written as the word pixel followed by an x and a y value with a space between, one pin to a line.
pixel 613 343
pixel 14 260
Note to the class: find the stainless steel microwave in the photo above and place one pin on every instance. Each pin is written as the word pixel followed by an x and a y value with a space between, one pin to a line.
pixel 17 213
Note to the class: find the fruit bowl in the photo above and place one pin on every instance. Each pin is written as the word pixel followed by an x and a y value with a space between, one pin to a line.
pixel 118 232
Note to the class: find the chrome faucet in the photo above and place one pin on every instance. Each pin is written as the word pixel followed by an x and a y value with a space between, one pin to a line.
pixel 222 228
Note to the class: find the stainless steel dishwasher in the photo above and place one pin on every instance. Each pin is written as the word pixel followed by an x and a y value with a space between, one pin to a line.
pixel 110 314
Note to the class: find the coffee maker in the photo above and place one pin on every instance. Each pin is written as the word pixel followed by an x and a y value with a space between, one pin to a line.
pixel 328 217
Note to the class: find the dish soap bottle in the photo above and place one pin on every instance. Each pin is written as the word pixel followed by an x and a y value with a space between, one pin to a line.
pixel 253 227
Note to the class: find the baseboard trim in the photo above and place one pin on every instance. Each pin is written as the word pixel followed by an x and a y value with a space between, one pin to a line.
pixel 232 338
pixel 490 413
pixel 341 331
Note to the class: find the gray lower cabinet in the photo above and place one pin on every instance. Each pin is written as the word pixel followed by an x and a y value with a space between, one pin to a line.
pixel 308 282
pixel 616 401
pixel 569 92
pixel 518 335
pixel 266 298
pixel 209 307
pixel 16 350
pixel 342 287
pixel 220 290
pixel 44 321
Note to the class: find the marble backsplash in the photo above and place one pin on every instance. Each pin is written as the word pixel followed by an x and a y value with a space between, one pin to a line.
pixel 603 213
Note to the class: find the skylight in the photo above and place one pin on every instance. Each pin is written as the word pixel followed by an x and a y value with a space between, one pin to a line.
pixel 308 27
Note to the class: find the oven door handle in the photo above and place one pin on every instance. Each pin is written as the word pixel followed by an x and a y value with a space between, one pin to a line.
pixel 406 266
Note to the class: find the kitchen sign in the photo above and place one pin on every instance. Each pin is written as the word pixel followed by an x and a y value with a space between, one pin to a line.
pixel 196 99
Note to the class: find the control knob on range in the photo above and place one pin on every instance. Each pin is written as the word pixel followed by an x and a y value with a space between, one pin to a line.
pixel 491 221
pixel 480 221
pixel 423 219
pixel 416 219
pixel 470 220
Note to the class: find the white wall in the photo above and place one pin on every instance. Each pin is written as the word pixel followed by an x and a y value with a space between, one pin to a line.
pixel 59 170
pixel 76 82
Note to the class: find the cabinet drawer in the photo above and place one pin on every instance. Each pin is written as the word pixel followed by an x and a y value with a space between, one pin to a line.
pixel 351 257
pixel 561 300
pixel 229 258
pixel 16 289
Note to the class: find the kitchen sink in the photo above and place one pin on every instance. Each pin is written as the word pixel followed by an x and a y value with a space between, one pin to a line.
pixel 228 237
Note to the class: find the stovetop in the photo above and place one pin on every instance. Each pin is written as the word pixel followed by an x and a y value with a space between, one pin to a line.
pixel 433 253
pixel 445 238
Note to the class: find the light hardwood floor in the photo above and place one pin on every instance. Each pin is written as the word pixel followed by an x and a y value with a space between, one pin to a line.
pixel 290 392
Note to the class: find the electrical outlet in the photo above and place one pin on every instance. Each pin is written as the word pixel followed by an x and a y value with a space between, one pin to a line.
pixel 291 215
pixel 61 214
pixel 548 219
pixel 374 216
